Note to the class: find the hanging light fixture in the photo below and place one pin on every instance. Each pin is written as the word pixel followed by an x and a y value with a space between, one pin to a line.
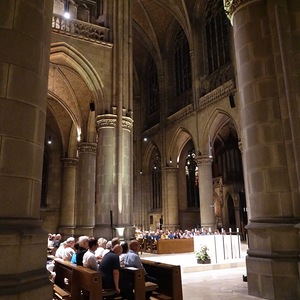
pixel 49 140
pixel 67 9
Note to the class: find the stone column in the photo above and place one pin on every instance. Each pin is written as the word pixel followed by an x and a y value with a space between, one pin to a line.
pixel 171 221
pixel 269 137
pixel 24 56
pixel 86 186
pixel 106 177
pixel 125 174
pixel 67 197
pixel 207 215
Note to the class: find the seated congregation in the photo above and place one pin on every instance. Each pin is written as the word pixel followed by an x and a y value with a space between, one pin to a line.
pixel 113 261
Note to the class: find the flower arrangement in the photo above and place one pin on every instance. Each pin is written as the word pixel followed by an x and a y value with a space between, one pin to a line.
pixel 202 254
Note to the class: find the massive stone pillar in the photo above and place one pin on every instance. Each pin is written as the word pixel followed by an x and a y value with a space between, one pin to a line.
pixel 125 174
pixel 67 198
pixel 120 188
pixel 207 215
pixel 106 179
pixel 263 37
pixel 24 64
pixel 171 218
pixel 85 200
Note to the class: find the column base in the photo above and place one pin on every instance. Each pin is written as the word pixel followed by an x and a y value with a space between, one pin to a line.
pixel 66 231
pixel 273 260
pixel 109 233
pixel 84 230
pixel 172 227
pixel 23 273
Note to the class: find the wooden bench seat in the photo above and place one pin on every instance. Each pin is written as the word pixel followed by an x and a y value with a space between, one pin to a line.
pixel 137 278
pixel 59 293
pixel 74 280
pixel 77 280
pixel 168 278
pixel 158 296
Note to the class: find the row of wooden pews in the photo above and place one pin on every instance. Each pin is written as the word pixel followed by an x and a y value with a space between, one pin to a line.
pixel 75 282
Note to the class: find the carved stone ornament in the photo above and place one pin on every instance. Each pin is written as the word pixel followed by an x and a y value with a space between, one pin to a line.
pixel 230 7
pixel 127 123
pixel 69 162
pixel 87 147
pixel 106 121
pixel 202 160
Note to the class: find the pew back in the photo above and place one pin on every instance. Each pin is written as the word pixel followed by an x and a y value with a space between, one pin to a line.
pixel 168 278
pixel 137 278
pixel 76 279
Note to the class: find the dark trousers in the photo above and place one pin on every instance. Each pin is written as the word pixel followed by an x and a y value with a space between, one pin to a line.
pixel 126 290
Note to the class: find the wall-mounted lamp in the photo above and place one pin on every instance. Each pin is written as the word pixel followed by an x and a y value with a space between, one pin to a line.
pixel 145 139
pixel 49 140
pixel 170 161
pixel 141 171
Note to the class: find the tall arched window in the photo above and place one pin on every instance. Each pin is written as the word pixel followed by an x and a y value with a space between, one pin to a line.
pixel 216 28
pixel 192 180
pixel 153 88
pixel 182 64
pixel 156 182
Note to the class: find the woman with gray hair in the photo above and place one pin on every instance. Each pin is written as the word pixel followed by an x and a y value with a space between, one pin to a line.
pixel 101 246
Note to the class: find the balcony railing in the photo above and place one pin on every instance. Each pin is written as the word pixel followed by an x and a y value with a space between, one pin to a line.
pixel 79 29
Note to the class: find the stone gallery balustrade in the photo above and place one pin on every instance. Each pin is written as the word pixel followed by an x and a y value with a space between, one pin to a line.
pixel 79 29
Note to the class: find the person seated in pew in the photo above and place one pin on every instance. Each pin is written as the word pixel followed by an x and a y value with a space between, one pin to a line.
pixel 132 259
pixel 101 247
pixel 110 270
pixel 83 242
pixel 76 249
pixel 122 256
pixel 69 249
pixel 60 250
pixel 89 259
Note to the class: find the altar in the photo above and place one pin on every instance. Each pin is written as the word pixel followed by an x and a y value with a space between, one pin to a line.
pixel 220 247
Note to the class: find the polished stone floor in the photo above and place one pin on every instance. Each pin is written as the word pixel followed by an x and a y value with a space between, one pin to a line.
pixel 210 282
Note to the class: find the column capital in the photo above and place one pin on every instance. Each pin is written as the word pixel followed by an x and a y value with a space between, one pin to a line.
pixel 106 121
pixel 230 6
pixel 87 147
pixel 171 169
pixel 203 160
pixel 69 162
pixel 127 123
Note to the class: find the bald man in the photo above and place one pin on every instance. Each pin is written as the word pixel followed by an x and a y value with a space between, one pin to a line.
pixel 110 269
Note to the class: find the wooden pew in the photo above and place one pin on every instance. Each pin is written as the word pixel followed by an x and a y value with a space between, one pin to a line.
pixel 168 278
pixel 75 279
pixel 137 278
pixel 175 246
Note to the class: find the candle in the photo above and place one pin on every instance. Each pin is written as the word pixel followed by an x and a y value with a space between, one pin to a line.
pixel 237 230
pixel 229 229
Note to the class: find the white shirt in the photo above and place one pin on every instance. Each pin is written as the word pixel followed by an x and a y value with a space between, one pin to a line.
pixel 90 261
pixel 68 253
pixel 99 251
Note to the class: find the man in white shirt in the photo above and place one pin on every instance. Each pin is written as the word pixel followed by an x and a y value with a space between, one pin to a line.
pixel 89 258
pixel 69 249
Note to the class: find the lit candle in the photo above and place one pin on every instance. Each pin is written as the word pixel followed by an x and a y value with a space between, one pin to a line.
pixel 230 230
pixel 222 230
pixel 237 230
